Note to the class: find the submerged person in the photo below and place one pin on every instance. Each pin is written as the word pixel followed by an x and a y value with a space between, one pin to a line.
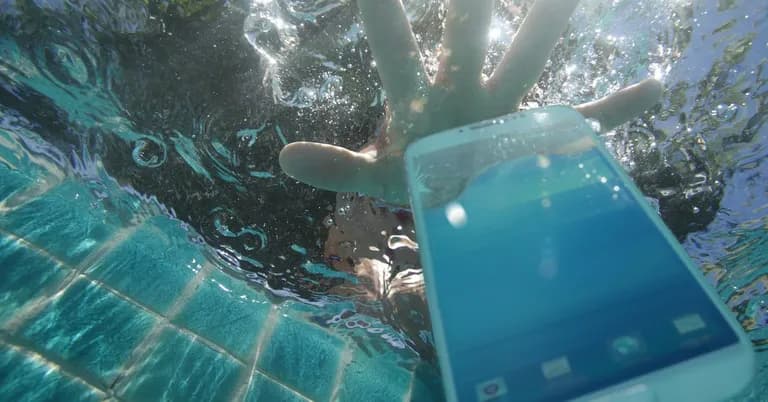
pixel 375 242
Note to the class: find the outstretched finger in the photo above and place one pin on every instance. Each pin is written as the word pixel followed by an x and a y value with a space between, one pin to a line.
pixel 624 105
pixel 525 60
pixel 327 167
pixel 394 48
pixel 465 42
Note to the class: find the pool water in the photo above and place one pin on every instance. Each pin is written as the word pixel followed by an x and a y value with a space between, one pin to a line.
pixel 124 122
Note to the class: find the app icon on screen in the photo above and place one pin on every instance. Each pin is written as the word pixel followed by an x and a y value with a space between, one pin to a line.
pixel 689 323
pixel 556 368
pixel 491 389
pixel 627 347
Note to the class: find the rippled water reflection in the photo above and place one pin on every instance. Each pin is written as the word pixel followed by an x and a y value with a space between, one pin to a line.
pixel 188 106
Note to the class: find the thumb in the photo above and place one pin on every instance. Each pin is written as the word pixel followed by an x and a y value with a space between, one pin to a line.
pixel 327 167
pixel 624 105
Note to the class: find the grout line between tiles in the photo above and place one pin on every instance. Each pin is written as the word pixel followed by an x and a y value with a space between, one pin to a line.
pixel 34 247
pixel 245 380
pixel 266 334
pixel 52 362
pixel 189 290
pixel 138 352
pixel 106 247
pixel 344 360
pixel 25 195
pixel 408 397
pixel 277 381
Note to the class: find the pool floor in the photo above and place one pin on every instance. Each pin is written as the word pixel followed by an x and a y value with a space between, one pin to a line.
pixel 94 310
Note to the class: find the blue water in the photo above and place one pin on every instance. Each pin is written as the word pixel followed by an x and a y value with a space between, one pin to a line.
pixel 576 271
pixel 181 110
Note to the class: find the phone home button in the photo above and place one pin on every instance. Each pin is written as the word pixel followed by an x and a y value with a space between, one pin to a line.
pixel 635 393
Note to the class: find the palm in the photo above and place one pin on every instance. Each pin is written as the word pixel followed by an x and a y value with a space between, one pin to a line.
pixel 418 106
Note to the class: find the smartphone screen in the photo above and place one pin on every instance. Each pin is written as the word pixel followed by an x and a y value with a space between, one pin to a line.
pixel 551 279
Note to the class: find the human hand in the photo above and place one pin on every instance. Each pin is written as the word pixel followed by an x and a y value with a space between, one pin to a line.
pixel 418 106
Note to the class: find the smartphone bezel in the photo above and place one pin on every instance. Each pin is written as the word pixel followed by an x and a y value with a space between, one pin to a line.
pixel 707 377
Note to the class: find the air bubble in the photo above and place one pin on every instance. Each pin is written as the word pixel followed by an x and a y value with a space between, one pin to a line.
pixel 148 152
pixel 666 192
pixel 595 125
pixel 725 113
pixel 543 162
pixel 344 210
pixel 332 86
pixel 456 214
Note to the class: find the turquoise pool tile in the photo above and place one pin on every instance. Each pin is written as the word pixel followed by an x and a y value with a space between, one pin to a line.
pixel 11 181
pixel 91 329
pixel 264 389
pixel 64 220
pixel 374 379
pixel 302 356
pixel 179 368
pixel 427 384
pixel 25 379
pixel 153 266
pixel 24 274
pixel 226 311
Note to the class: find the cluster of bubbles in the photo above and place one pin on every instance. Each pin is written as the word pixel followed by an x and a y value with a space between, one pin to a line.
pixel 607 46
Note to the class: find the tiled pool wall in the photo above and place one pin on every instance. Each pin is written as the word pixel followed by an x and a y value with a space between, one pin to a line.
pixel 93 310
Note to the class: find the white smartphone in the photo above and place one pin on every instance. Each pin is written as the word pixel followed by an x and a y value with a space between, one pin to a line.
pixel 549 277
